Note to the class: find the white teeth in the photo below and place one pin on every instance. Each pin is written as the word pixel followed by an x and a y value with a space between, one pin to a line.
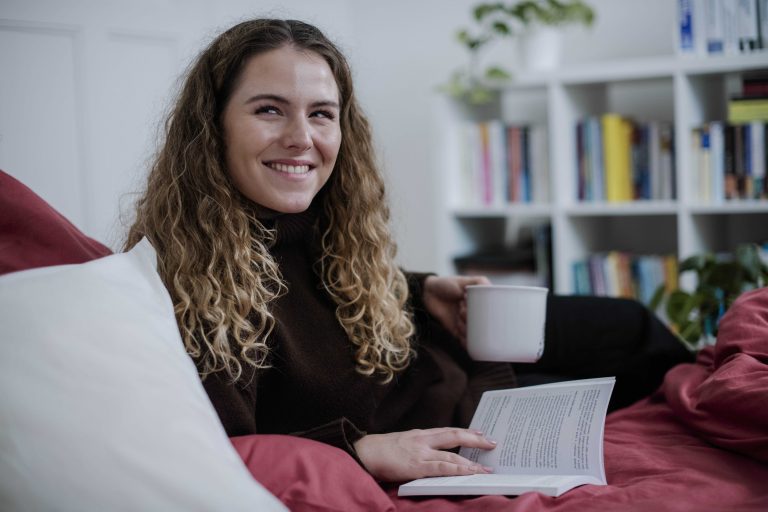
pixel 290 169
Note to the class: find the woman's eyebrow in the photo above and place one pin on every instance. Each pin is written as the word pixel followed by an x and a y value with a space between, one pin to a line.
pixel 280 99
pixel 271 97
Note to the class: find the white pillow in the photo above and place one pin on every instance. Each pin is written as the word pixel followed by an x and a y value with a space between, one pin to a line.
pixel 100 406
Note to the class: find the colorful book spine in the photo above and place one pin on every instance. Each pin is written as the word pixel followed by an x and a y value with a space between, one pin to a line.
pixel 616 157
pixel 503 163
pixel 623 274
pixel 747 109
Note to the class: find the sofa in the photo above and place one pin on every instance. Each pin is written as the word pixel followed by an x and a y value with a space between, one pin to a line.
pixel 101 408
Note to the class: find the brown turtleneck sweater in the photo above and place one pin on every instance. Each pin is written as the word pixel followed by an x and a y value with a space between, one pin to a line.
pixel 312 388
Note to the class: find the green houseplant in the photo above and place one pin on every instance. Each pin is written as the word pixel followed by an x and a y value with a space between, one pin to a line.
pixel 494 21
pixel 694 315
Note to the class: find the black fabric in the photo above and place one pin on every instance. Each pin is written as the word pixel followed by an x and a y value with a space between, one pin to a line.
pixel 312 389
pixel 589 337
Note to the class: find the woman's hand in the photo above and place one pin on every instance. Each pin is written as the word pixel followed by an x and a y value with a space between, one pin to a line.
pixel 401 456
pixel 445 299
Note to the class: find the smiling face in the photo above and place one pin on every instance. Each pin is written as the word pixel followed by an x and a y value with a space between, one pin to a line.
pixel 281 128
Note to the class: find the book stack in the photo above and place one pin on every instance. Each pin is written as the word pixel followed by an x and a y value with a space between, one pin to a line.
pixel 529 263
pixel 621 274
pixel 730 161
pixel 722 27
pixel 504 163
pixel 619 159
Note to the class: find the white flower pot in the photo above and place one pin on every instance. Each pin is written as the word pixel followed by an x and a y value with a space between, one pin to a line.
pixel 540 48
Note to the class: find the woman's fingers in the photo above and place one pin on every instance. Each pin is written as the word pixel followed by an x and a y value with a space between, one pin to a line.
pixel 444 468
pixel 400 456
pixel 446 438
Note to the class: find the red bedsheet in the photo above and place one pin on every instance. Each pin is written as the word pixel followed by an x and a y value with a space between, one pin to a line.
pixel 699 444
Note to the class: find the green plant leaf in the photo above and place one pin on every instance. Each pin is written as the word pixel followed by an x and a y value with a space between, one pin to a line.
pixel 497 73
pixel 657 297
pixel 696 262
pixel 676 310
pixel 482 10
pixel 690 332
pixel 749 258
pixel 501 28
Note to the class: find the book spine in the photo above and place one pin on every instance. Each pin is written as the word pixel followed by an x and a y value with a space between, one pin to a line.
pixel 730 22
pixel 738 158
pixel 685 26
pixel 514 163
pixel 762 23
pixel 539 163
pixel 696 159
pixel 758 158
pixel 667 148
pixel 691 27
pixel 729 154
pixel 713 21
pixel 485 166
pixel 616 157
pixel 748 26
pixel 597 166
pixel 469 194
pixel 498 162
pixel 717 161
pixel 581 157
pixel 526 164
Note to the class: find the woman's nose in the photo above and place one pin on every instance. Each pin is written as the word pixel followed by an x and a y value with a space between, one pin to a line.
pixel 298 134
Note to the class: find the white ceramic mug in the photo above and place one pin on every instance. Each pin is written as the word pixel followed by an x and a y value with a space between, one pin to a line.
pixel 506 323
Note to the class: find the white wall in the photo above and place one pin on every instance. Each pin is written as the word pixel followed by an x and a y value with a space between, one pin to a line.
pixel 86 82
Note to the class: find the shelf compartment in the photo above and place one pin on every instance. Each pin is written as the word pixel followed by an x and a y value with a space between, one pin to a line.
pixel 637 208
pixel 542 210
pixel 724 231
pixel 729 207
pixel 641 234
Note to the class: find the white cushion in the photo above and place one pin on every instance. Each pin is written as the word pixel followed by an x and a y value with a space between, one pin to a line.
pixel 100 406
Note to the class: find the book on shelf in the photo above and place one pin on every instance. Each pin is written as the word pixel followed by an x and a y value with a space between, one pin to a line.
pixel 622 274
pixel 744 109
pixel 730 161
pixel 550 440
pixel 504 163
pixel 619 159
pixel 616 157
pixel 721 27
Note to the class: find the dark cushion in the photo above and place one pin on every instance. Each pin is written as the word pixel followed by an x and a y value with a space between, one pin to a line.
pixel 33 234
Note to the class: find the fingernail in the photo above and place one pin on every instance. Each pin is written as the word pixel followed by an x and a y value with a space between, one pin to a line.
pixel 488 469
pixel 478 432
pixel 491 441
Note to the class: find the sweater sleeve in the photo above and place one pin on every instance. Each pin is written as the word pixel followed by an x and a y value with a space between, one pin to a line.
pixel 340 433
pixel 416 304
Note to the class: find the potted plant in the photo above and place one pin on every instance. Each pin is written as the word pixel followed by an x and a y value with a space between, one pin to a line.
pixel 494 21
pixel 694 315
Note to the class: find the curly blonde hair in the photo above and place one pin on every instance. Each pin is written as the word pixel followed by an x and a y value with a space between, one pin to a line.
pixel 213 251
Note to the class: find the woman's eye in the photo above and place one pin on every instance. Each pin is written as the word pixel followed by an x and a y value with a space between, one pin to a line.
pixel 267 109
pixel 324 113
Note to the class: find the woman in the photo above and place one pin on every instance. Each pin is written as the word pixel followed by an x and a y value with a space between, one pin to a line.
pixel 268 215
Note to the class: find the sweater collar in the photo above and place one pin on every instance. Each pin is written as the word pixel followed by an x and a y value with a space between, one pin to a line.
pixel 294 227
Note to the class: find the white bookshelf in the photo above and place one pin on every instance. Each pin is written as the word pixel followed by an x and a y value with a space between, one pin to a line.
pixel 687 91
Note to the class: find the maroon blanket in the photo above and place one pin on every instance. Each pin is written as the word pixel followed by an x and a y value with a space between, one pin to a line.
pixel 700 443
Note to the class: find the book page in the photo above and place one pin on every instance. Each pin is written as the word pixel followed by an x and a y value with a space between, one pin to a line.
pixel 494 484
pixel 552 429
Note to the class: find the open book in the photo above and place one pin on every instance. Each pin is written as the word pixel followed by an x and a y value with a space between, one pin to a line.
pixel 550 440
